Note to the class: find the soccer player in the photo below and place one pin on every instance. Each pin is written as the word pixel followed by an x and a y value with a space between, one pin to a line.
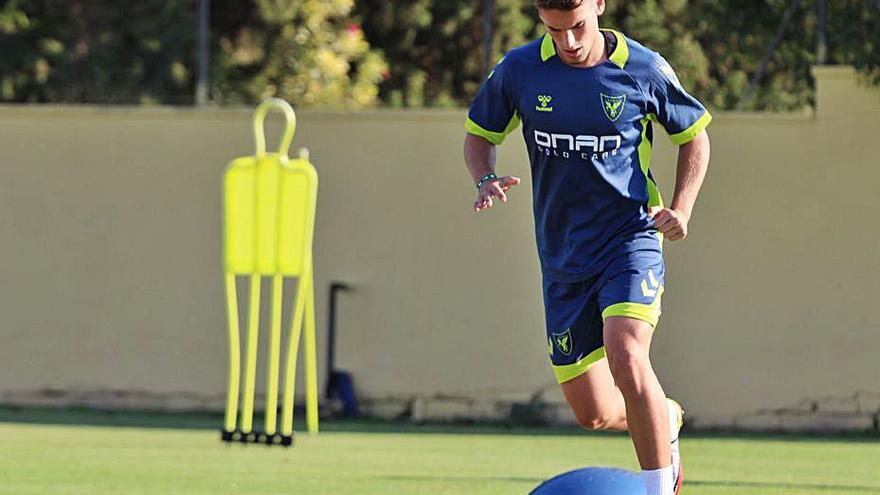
pixel 588 100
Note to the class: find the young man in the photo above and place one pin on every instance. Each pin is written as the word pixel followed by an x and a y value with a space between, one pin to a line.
pixel 588 100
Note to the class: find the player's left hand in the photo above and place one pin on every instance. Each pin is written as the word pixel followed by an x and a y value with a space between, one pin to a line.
pixel 673 224
pixel 494 188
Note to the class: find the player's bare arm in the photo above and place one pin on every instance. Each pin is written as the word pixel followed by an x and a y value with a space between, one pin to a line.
pixel 693 160
pixel 479 156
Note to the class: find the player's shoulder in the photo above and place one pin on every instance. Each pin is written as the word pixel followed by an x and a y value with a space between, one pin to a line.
pixel 638 59
pixel 523 57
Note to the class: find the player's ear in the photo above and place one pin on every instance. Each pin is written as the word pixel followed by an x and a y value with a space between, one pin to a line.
pixel 600 7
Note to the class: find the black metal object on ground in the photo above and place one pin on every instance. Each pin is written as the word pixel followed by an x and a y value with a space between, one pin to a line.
pixel 340 384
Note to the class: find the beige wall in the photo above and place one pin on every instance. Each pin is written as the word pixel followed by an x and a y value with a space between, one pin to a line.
pixel 110 255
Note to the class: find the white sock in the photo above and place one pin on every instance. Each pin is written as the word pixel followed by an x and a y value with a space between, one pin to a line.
pixel 658 481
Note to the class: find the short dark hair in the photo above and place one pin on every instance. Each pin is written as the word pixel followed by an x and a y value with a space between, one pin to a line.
pixel 558 4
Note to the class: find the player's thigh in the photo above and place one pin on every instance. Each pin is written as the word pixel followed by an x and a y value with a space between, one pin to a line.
pixel 592 396
pixel 629 298
pixel 627 337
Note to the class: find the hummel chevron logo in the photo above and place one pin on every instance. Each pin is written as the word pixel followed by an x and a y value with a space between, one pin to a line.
pixel 544 100
pixel 650 291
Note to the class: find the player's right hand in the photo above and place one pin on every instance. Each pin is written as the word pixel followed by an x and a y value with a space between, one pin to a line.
pixel 495 188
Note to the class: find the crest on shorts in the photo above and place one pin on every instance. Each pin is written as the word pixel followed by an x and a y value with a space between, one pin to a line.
pixel 563 341
pixel 613 105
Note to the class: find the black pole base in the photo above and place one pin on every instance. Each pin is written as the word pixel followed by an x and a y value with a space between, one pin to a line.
pixel 238 436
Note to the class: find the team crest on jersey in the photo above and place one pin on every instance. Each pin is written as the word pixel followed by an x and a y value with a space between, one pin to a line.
pixel 563 341
pixel 613 105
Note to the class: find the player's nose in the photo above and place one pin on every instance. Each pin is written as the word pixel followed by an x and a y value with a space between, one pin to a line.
pixel 569 40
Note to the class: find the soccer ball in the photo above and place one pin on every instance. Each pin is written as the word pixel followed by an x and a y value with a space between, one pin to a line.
pixel 593 481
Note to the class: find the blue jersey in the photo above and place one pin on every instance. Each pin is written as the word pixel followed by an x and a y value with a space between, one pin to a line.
pixel 588 132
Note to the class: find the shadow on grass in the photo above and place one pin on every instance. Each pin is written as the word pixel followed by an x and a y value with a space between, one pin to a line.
pixel 213 421
pixel 95 417
pixel 201 420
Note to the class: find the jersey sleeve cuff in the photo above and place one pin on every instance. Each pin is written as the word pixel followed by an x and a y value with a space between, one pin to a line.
pixel 493 137
pixel 691 132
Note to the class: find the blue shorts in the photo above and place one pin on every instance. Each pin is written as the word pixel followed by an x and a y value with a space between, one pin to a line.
pixel 630 285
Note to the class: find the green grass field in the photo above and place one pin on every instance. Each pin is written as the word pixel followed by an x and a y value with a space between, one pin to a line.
pixel 367 459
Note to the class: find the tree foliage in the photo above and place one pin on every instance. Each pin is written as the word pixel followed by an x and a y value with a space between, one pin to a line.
pixel 716 46
pixel 99 51
pixel 96 51
pixel 434 47
pixel 353 54
pixel 307 51
pixel 855 31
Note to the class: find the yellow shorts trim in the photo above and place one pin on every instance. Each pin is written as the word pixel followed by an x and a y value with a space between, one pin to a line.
pixel 569 372
pixel 645 312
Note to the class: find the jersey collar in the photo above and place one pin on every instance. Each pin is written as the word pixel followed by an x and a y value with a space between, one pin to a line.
pixel 619 56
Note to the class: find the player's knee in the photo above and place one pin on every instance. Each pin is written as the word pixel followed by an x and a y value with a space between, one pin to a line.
pixel 592 420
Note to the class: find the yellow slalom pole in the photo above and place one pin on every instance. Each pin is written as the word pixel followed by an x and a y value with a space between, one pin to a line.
pixel 292 351
pixel 311 358
pixel 234 355
pixel 247 408
pixel 274 356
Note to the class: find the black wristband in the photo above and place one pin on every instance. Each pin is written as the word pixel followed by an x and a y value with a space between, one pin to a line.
pixel 484 179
